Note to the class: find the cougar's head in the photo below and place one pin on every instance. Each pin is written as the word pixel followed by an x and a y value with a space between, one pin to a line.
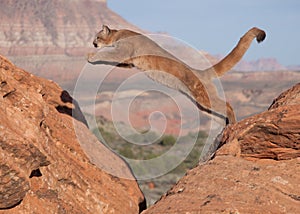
pixel 103 37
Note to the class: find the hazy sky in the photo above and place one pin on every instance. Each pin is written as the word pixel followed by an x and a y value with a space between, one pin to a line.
pixel 216 25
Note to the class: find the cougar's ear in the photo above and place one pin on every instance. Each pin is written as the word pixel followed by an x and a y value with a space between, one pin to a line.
pixel 105 29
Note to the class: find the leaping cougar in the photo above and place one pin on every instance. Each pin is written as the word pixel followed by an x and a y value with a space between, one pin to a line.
pixel 129 48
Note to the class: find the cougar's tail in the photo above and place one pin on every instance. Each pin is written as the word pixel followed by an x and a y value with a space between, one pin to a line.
pixel 237 53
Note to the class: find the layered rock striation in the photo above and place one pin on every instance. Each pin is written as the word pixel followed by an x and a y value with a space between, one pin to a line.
pixel 52 38
pixel 256 170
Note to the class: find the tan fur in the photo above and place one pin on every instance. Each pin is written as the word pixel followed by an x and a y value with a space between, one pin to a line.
pixel 128 48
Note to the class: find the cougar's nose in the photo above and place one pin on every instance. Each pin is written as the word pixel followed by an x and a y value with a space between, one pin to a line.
pixel 95 44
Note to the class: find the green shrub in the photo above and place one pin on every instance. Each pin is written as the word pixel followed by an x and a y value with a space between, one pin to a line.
pixel 126 151
pixel 167 140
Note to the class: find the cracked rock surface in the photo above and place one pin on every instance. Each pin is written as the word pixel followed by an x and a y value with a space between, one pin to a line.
pixel 256 170
pixel 43 168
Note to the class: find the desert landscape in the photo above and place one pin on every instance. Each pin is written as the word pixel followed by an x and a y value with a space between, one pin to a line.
pixel 66 146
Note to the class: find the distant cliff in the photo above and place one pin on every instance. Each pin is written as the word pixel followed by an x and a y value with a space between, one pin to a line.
pixel 263 64
pixel 52 37
pixel 34 27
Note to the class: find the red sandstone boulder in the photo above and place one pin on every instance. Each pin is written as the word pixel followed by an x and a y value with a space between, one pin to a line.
pixel 43 168
pixel 256 170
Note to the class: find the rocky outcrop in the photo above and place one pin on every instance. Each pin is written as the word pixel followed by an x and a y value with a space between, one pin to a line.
pixel 43 167
pixel 273 134
pixel 254 171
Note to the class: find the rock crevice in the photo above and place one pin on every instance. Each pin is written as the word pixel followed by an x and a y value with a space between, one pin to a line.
pixel 43 166
pixel 254 171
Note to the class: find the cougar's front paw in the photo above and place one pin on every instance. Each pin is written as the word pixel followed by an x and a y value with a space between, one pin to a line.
pixel 90 56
